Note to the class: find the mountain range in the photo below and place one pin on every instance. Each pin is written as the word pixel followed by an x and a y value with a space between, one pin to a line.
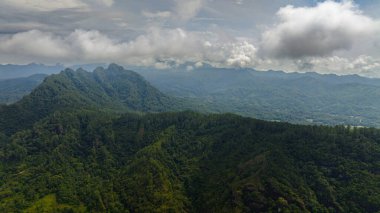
pixel 303 98
pixel 11 71
pixel 109 141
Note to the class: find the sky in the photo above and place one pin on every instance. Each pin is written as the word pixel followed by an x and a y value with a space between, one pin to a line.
pixel 340 37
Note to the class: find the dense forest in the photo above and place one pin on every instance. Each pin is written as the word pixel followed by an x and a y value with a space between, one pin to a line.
pixel 112 89
pixel 102 142
pixel 91 161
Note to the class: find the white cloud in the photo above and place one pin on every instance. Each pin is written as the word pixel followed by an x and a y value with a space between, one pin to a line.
pixel 363 64
pixel 45 5
pixel 92 45
pixel 159 14
pixel 108 3
pixel 156 48
pixel 242 55
pixel 162 48
pixel 317 31
pixel 52 5
pixel 187 9
pixel 32 44
pixel 20 26
pixel 164 45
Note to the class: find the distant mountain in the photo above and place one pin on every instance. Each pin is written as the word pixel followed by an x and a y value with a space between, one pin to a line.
pixel 69 146
pixel 12 90
pixel 306 98
pixel 11 71
pixel 112 89
pixel 91 161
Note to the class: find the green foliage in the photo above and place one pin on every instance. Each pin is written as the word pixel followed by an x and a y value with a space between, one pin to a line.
pixel 112 89
pixel 48 204
pixel 93 161
pixel 67 147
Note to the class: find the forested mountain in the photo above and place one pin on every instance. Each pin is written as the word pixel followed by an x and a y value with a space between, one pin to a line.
pixel 306 98
pixel 91 161
pixel 12 90
pixel 17 81
pixel 68 147
pixel 113 89
pixel 11 71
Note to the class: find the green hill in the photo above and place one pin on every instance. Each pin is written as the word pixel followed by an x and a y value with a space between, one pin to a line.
pixel 70 146
pixel 91 161
pixel 112 89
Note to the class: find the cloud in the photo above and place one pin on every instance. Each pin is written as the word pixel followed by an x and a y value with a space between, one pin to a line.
pixel 164 35
pixel 187 9
pixel 45 5
pixel 8 28
pixel 316 31
pixel 157 47
pixel 363 64
pixel 231 54
pixel 32 44
pixel 243 54
pixel 159 14
pixel 163 48
pixel 91 45
pixel 108 3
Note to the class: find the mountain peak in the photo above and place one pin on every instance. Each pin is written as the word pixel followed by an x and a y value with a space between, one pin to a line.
pixel 81 70
pixel 68 70
pixel 114 66
pixel 108 90
pixel 99 69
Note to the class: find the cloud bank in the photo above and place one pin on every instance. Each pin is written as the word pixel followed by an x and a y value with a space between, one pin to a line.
pixel 156 45
pixel 45 5
pixel 317 31
pixel 187 9
pixel 330 36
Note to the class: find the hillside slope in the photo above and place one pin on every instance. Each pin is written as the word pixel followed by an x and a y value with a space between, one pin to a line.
pixel 112 89
pixel 67 147
pixel 89 161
